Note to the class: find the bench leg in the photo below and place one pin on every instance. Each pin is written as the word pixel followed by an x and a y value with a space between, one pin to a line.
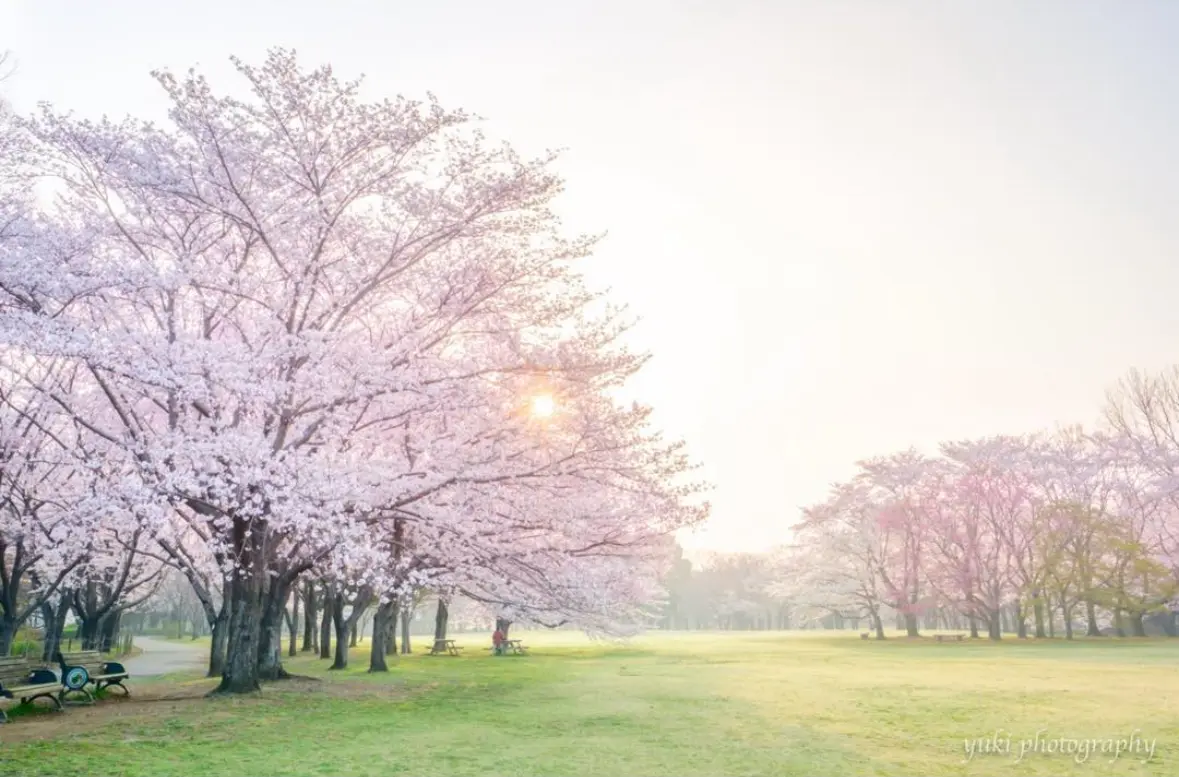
pixel 51 696
pixel 106 685
pixel 28 701
pixel 87 696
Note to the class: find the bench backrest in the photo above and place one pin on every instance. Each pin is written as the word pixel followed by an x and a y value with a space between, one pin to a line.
pixel 91 659
pixel 14 671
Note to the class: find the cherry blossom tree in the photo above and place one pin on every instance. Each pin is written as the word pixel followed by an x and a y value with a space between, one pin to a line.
pixel 46 519
pixel 840 550
pixel 990 499
pixel 298 318
pixel 894 485
pixel 1143 411
pixel 954 537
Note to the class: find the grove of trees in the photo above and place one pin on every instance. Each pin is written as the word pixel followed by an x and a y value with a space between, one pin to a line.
pixel 1036 535
pixel 1067 527
pixel 314 355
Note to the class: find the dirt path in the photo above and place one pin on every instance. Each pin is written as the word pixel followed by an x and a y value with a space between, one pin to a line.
pixel 162 657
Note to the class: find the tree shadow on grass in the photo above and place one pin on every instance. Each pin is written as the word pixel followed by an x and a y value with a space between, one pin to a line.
pixel 157 702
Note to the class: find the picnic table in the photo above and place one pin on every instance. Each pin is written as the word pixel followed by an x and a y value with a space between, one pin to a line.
pixel 445 646
pixel 515 646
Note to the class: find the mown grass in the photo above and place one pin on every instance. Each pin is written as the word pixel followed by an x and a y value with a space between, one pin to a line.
pixel 761 704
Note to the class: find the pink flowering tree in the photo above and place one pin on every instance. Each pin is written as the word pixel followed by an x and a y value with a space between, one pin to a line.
pixel 1143 411
pixel 991 504
pixel 282 314
pixel 47 515
pixel 894 484
pixel 835 563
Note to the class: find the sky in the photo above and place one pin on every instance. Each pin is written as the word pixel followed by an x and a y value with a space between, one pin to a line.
pixel 847 227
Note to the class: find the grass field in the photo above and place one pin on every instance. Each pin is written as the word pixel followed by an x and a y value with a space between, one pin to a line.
pixel 693 704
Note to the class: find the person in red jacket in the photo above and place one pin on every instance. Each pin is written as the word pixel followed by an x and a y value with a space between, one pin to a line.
pixel 497 640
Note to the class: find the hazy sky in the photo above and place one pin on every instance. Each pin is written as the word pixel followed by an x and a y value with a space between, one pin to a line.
pixel 849 226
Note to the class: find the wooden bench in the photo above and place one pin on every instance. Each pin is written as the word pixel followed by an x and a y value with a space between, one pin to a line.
pixel 24 683
pixel 89 667
pixel 446 646
pixel 949 637
pixel 515 646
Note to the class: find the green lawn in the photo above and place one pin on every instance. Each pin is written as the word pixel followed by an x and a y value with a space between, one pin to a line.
pixel 760 704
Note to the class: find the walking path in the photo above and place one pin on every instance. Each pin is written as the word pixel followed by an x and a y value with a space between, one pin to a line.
pixel 163 657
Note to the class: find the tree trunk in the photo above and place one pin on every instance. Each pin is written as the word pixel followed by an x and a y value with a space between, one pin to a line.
pixel 1038 611
pixel 88 633
pixel 440 618
pixel 7 634
pixel 503 625
pixel 293 625
pixel 1137 627
pixel 995 625
pixel 270 632
pixel 109 630
pixel 240 672
pixel 405 618
pixel 341 624
pixel 1021 621
pixel 310 643
pixel 911 625
pixel 878 624
pixel 55 618
pixel 360 603
pixel 1067 611
pixel 220 638
pixel 325 624
pixel 1091 614
pixel 376 659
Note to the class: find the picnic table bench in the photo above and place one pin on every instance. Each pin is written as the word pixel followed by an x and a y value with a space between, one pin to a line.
pixel 22 681
pixel 949 637
pixel 89 667
pixel 445 646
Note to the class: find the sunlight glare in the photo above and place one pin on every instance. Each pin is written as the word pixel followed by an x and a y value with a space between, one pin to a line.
pixel 542 406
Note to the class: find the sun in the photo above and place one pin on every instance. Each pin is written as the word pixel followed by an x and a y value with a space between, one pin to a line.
pixel 542 406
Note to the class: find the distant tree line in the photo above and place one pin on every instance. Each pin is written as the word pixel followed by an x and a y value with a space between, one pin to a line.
pixel 1039 535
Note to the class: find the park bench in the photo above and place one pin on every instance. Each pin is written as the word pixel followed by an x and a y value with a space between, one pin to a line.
pixel 446 646
pixel 89 667
pixel 863 635
pixel 24 683
pixel 949 637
